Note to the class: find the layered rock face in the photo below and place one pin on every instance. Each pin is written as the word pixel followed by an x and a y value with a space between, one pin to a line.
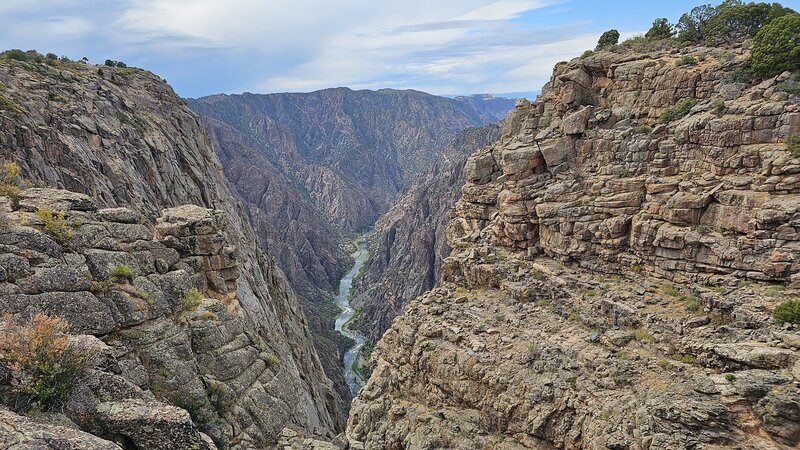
pixel 125 139
pixel 408 243
pixel 609 285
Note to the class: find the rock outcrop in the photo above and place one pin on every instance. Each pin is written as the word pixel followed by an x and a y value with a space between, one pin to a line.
pixel 132 152
pixel 613 273
pixel 408 242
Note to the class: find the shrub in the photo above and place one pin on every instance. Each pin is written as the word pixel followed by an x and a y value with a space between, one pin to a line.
pixel 42 364
pixel 730 377
pixel 793 143
pixel 608 39
pixel 788 311
pixel 109 63
pixel 791 87
pixel 692 303
pixel 643 129
pixel 684 358
pixel 661 29
pixel 688 60
pixel 642 335
pixel 775 290
pixel 55 225
pixel 681 109
pixel 10 180
pixel 273 360
pixel 192 299
pixel 668 289
pixel 719 107
pixel 587 54
pixel 122 272
pixel 776 47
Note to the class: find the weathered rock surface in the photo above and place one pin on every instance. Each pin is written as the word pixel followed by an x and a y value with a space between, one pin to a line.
pixel 408 243
pixel 126 142
pixel 20 433
pixel 609 283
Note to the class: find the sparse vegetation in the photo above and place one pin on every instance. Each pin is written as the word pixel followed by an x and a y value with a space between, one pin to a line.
pixel 42 364
pixel 688 60
pixel 122 273
pixel 643 129
pixel 684 358
pixel 10 179
pixel 788 311
pixel 273 361
pixel 675 112
pixel 692 303
pixel 719 107
pixel 793 144
pixel 55 224
pixel 790 86
pixel 730 377
pixel 644 336
pixel 774 290
pixel 669 290
pixel 192 299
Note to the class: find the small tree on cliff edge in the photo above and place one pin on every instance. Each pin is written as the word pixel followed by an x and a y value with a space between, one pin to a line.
pixel 608 39
pixel 776 47
pixel 661 29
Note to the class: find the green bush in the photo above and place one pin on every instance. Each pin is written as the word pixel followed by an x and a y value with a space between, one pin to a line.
pixel 608 39
pixel 788 311
pixel 273 361
pixel 661 29
pixel 791 87
pixel 688 60
pixel 776 47
pixel 10 180
pixel 40 361
pixel 192 299
pixel 793 143
pixel 669 290
pixel 122 273
pixel 55 224
pixel 677 111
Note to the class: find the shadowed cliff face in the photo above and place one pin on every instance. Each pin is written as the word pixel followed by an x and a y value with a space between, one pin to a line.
pixel 616 261
pixel 125 139
pixel 408 243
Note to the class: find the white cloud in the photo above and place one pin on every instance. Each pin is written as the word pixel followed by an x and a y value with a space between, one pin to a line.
pixel 444 46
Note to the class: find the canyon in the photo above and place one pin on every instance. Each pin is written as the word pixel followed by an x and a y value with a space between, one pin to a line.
pixel 612 265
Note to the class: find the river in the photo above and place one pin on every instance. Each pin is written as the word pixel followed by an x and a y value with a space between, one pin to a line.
pixel 354 381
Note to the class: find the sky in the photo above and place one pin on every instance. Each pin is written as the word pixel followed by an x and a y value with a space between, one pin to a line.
pixel 445 47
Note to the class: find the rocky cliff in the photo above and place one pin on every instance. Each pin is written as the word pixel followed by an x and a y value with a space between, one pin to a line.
pixel 408 243
pixel 617 257
pixel 290 227
pixel 313 167
pixel 241 361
